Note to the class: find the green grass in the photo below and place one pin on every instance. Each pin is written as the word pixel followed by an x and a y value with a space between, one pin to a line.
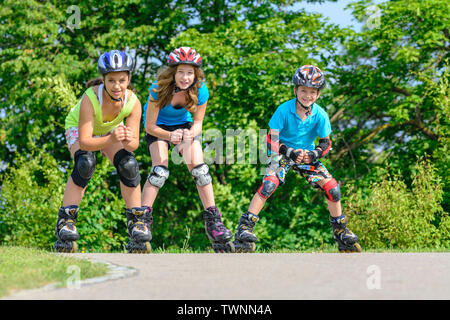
pixel 27 268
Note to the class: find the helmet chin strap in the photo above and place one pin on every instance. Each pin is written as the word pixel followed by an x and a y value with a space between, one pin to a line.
pixel 308 109
pixel 120 99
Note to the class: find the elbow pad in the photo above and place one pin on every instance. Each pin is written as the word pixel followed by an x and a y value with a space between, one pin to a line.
pixel 321 150
pixel 325 146
pixel 273 144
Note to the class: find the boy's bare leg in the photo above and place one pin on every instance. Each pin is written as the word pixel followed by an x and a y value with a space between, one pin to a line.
pixel 334 208
pixel 257 204
pixel 345 238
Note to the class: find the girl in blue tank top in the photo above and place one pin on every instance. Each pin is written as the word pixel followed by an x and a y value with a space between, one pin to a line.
pixel 173 115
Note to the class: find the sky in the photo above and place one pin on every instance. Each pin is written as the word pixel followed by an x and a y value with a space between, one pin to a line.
pixel 335 11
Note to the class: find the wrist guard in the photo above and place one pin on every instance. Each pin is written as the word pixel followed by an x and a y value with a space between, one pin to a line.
pixel 314 155
pixel 288 152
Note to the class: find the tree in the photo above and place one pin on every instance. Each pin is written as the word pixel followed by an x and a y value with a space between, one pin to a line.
pixel 49 50
pixel 390 89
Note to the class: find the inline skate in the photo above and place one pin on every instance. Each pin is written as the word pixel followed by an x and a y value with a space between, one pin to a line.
pixel 244 237
pixel 346 240
pixel 216 231
pixel 66 230
pixel 139 222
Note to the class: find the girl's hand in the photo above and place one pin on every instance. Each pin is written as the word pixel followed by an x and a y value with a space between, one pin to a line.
pixel 119 133
pixel 176 136
pixel 187 135
pixel 129 135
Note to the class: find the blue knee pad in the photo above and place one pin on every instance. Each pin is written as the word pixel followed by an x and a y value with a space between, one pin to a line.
pixel 127 168
pixel 84 167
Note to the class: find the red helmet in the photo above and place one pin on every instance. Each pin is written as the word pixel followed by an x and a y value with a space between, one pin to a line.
pixel 184 55
pixel 309 76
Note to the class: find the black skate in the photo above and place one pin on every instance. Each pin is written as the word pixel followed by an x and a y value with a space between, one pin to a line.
pixel 139 222
pixel 346 240
pixel 244 237
pixel 66 231
pixel 216 231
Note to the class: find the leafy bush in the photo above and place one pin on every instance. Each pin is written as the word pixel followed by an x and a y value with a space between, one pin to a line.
pixel 32 194
pixel 392 215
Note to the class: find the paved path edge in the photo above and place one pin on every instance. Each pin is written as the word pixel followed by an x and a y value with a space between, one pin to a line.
pixel 115 272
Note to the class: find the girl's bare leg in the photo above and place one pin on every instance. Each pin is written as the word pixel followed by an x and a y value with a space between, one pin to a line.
pixel 73 194
pixel 159 153
pixel 131 195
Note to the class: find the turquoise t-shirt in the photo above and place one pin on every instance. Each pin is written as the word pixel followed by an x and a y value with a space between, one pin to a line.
pixel 171 116
pixel 294 132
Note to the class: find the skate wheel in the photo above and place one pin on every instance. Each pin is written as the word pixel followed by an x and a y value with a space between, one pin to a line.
pixel 66 246
pixel 356 248
pixel 74 247
pixel 139 247
pixel 250 248
pixel 244 247
pixel 231 246
pixel 219 247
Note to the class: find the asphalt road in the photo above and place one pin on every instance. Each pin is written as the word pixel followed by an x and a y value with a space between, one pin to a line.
pixel 278 276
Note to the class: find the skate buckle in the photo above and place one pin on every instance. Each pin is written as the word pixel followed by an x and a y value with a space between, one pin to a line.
pixel 137 212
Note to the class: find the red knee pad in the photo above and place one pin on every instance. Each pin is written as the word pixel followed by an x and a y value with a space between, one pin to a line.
pixel 270 183
pixel 332 190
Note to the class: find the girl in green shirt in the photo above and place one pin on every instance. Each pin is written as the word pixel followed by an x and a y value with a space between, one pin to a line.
pixel 96 123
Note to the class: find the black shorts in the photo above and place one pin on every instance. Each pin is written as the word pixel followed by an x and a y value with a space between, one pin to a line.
pixel 150 139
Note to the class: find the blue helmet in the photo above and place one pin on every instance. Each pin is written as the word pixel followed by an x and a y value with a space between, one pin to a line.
pixel 114 61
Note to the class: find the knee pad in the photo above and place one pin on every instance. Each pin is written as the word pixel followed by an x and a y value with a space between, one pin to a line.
pixel 201 175
pixel 84 167
pixel 332 190
pixel 127 168
pixel 158 176
pixel 270 183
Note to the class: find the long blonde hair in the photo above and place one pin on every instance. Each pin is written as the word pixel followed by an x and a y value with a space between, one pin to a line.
pixel 166 88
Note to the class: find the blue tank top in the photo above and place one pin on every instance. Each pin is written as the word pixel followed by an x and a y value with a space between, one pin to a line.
pixel 169 115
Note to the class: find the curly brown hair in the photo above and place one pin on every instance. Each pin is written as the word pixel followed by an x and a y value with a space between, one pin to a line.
pixel 166 88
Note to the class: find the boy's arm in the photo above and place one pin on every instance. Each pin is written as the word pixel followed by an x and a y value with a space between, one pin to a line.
pixel 320 151
pixel 275 145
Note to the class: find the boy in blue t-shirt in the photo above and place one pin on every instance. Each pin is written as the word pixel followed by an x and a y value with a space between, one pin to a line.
pixel 293 128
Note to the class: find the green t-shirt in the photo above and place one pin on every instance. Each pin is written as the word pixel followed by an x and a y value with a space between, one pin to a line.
pixel 100 127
